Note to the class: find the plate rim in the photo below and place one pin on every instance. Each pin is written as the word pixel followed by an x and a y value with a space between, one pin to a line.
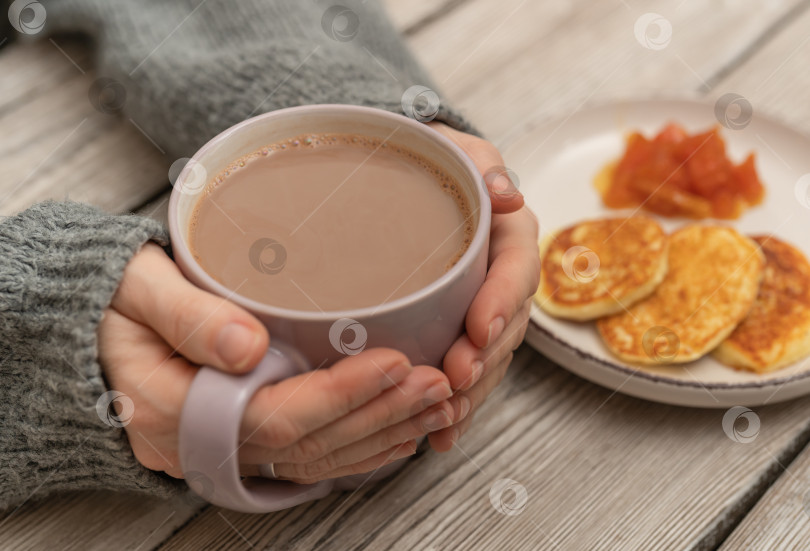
pixel 588 357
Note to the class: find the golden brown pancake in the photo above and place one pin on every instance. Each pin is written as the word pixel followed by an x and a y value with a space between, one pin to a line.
pixel 600 267
pixel 713 279
pixel 776 332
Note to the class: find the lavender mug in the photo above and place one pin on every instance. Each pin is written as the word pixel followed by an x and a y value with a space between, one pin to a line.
pixel 423 325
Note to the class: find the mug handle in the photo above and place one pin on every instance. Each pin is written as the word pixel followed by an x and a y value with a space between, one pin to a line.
pixel 209 438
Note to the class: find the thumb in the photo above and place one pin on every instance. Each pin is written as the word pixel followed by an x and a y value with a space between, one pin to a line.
pixel 503 192
pixel 501 181
pixel 204 328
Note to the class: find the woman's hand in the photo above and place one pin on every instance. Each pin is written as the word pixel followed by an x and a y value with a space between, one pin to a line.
pixel 498 317
pixel 353 417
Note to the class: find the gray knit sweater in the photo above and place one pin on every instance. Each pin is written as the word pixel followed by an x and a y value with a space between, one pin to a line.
pixel 184 70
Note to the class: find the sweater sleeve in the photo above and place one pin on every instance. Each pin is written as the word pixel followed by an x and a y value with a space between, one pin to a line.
pixel 186 70
pixel 60 264
pixel 183 71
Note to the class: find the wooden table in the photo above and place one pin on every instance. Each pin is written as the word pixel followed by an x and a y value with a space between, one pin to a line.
pixel 599 470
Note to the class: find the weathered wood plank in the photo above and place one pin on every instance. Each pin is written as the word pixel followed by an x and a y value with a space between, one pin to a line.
pixel 57 145
pixel 158 208
pixel 509 65
pixel 601 471
pixel 94 520
pixel 775 81
pixel 407 15
pixel 781 519
pixel 33 69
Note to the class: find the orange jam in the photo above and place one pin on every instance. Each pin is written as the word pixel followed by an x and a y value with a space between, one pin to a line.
pixel 677 174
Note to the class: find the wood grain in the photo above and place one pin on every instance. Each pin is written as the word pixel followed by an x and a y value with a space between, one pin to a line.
pixel 157 208
pixel 57 145
pixel 781 519
pixel 774 79
pixel 510 65
pixel 94 520
pixel 409 16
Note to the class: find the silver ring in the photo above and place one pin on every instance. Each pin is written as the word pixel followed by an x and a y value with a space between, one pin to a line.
pixel 267 470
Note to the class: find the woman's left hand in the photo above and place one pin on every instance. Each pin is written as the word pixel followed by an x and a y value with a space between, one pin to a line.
pixel 497 319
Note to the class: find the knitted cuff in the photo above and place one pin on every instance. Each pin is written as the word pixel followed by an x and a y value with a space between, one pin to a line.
pixel 60 264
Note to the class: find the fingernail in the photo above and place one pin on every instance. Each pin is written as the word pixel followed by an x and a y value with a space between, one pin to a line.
pixel 454 438
pixel 464 404
pixel 235 344
pixel 495 330
pixel 438 392
pixel 501 184
pixel 477 369
pixel 397 374
pixel 436 420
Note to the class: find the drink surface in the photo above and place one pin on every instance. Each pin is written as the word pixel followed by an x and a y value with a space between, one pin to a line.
pixel 330 222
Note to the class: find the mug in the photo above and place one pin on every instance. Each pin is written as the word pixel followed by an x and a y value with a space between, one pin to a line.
pixel 423 325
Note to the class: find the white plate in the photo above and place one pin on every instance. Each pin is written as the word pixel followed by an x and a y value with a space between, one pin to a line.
pixel 562 162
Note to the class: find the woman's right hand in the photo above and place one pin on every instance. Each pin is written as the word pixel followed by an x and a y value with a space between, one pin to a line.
pixel 361 413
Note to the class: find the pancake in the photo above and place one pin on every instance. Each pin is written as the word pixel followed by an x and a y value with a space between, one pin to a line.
pixel 776 332
pixel 713 279
pixel 600 267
